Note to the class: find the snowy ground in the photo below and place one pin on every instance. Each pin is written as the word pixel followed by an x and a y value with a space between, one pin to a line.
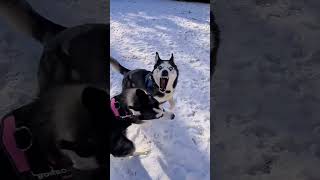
pixel 179 148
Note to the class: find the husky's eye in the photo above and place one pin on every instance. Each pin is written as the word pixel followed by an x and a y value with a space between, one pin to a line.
pixel 159 67
pixel 170 68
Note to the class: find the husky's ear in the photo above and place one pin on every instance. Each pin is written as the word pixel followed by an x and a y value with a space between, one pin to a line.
pixel 157 58
pixel 95 99
pixel 171 58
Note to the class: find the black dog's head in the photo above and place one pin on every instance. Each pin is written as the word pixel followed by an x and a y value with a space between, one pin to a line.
pixel 97 131
pixel 88 148
pixel 143 105
pixel 165 73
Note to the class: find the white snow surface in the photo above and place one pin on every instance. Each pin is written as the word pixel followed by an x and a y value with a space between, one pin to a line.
pixel 180 148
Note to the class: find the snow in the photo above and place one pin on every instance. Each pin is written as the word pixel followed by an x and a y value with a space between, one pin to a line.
pixel 180 148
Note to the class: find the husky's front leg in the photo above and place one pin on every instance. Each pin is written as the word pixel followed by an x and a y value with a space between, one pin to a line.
pixel 172 104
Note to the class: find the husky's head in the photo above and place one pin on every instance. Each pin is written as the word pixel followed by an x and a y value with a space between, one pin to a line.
pixel 165 74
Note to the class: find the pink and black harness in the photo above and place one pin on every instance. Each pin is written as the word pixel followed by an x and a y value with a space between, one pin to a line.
pixel 20 154
pixel 120 112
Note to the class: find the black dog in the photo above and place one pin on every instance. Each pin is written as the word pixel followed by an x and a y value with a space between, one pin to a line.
pixel 126 111
pixel 71 126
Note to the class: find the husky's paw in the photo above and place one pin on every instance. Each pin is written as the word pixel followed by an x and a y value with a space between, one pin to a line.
pixel 172 116
pixel 169 115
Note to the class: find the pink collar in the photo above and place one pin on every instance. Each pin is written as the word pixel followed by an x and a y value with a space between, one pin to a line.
pixel 113 107
pixel 116 113
pixel 17 156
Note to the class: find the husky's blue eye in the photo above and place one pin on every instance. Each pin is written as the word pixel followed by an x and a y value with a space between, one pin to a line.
pixel 170 68
pixel 159 67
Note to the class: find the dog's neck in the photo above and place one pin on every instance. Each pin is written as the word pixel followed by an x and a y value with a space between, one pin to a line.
pixel 119 106
pixel 121 110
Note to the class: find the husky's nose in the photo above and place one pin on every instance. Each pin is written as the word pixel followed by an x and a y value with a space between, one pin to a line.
pixel 165 73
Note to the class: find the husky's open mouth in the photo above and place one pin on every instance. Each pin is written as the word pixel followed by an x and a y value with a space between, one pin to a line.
pixel 163 83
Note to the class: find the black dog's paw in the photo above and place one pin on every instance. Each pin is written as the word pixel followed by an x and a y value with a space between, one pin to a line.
pixel 172 116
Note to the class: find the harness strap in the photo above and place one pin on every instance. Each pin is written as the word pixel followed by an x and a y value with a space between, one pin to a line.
pixel 114 108
pixel 149 83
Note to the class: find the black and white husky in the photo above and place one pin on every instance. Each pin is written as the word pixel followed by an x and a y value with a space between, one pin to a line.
pixel 161 82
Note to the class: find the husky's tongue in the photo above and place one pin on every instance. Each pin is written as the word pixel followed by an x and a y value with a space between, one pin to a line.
pixel 163 83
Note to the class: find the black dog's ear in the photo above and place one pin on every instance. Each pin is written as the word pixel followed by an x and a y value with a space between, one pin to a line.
pixel 95 99
pixel 171 58
pixel 141 94
pixel 157 57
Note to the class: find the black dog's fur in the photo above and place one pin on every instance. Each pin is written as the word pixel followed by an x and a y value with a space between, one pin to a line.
pixel 85 128
pixel 77 115
pixel 77 54
pixel 121 145
pixel 70 56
